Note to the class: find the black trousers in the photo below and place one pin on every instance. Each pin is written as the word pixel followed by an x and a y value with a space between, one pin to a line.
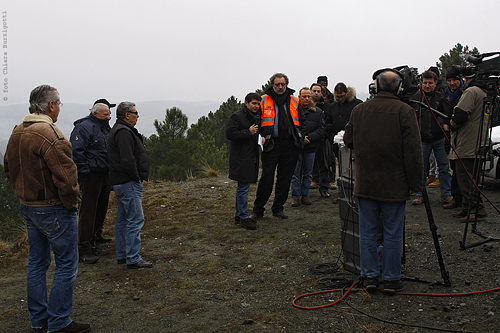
pixel 94 191
pixel 465 186
pixel 283 158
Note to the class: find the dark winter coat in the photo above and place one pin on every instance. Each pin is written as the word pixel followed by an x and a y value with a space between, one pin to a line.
pixel 430 130
pixel 338 114
pixel 89 139
pixel 244 148
pixel 127 156
pixel 385 138
pixel 315 128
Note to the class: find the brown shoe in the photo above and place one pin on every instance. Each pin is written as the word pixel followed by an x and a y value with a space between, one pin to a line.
pixel 295 202
pixel 335 201
pixel 248 224
pixel 452 204
pixel 305 201
pixel 430 179
pixel 74 327
pixel 435 183
pixel 462 213
pixel 446 199
pixel 472 217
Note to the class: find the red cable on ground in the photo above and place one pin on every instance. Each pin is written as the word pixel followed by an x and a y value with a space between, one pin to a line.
pixel 399 293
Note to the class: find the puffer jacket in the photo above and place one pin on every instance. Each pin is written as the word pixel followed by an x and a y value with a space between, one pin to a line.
pixel 89 139
pixel 38 161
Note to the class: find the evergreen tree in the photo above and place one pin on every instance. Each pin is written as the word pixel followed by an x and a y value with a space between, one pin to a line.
pixel 455 57
pixel 174 126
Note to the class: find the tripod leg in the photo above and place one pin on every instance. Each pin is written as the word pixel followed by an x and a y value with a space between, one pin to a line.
pixel 432 225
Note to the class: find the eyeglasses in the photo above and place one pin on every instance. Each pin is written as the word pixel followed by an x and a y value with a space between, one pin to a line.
pixel 60 104
pixel 134 112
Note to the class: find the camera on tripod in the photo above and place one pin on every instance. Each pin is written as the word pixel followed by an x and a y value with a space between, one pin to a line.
pixel 485 66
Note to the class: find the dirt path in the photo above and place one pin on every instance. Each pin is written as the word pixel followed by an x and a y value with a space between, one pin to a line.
pixel 213 276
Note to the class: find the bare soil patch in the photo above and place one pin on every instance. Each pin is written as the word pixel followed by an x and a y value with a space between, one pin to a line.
pixel 211 275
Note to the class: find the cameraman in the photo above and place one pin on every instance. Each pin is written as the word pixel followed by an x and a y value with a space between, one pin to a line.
pixel 465 125
pixel 384 135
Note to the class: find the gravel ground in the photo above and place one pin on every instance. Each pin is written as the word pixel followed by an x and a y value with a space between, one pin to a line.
pixel 211 275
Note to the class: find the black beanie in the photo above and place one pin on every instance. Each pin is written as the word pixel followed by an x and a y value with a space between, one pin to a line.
pixel 452 74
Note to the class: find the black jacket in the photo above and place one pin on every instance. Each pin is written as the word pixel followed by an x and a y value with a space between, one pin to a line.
pixel 127 156
pixel 244 148
pixel 338 114
pixel 315 128
pixel 430 130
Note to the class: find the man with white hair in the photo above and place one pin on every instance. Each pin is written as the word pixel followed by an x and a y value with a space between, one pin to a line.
pixel 89 140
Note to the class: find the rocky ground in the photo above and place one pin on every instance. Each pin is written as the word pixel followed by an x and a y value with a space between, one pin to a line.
pixel 213 276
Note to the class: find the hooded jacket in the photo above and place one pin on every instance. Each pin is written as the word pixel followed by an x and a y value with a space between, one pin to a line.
pixel 38 161
pixel 338 114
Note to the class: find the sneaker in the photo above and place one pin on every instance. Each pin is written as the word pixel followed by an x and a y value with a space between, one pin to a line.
pixel 314 185
pixel 446 199
pixel 418 201
pixel 435 183
pixel 392 287
pixel 89 258
pixel 371 283
pixel 430 180
pixel 305 200
pixel 248 224
pixel 74 328
pixel 99 251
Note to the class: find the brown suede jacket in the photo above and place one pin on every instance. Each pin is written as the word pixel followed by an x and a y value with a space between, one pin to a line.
pixel 38 161
pixel 385 138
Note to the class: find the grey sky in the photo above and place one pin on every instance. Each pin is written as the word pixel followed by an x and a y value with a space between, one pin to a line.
pixel 209 50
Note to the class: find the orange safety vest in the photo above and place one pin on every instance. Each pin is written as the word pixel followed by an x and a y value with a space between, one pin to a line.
pixel 268 112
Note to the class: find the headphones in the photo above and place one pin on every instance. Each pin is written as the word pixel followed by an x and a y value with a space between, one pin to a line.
pixel 374 86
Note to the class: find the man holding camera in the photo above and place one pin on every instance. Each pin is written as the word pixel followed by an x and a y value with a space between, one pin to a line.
pixel 384 135
pixel 465 126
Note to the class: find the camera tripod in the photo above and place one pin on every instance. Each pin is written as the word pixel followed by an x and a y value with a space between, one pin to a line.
pixel 482 152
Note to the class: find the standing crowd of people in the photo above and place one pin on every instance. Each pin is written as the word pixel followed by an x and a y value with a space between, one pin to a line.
pixel 391 140
pixel 395 145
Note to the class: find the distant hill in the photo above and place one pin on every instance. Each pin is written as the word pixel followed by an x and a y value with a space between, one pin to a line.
pixel 148 112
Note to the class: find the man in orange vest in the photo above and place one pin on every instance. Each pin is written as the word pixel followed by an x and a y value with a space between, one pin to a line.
pixel 283 126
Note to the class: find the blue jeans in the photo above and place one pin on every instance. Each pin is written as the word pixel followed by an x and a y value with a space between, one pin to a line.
pixel 57 228
pixel 393 220
pixel 302 176
pixel 129 221
pixel 442 162
pixel 242 200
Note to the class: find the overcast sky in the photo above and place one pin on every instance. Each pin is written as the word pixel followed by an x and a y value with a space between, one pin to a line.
pixel 193 50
